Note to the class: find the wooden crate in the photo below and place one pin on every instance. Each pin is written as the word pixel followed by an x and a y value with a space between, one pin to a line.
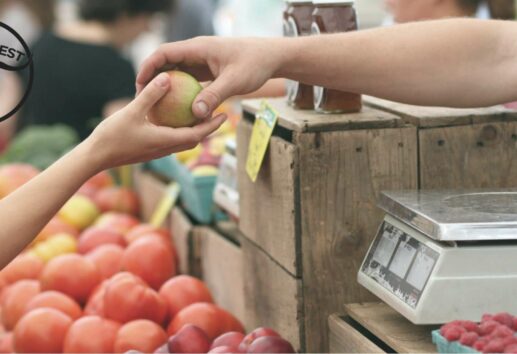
pixel 461 148
pixel 181 229
pixel 377 328
pixel 218 262
pixel 312 210
pixel 150 189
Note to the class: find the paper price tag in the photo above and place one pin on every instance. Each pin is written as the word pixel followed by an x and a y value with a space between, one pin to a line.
pixel 265 121
pixel 166 204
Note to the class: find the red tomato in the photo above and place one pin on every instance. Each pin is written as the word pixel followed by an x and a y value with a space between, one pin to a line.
pixel 144 229
pixel 25 266
pixel 141 335
pixel 13 176
pixel 15 299
pixel 183 290
pixel 100 180
pixel 57 301
pixel 71 274
pixel 6 343
pixel 108 259
pixel 93 237
pixel 91 334
pixel 54 227
pixel 209 317
pixel 117 221
pixel 128 298
pixel 41 331
pixel 95 304
pixel 151 260
pixel 117 199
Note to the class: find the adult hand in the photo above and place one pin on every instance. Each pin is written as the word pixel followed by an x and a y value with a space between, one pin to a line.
pixel 237 66
pixel 128 137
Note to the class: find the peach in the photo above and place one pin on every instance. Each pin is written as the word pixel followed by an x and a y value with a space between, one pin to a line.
pixel 270 345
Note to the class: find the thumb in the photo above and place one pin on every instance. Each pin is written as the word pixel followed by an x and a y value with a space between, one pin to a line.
pixel 154 90
pixel 213 95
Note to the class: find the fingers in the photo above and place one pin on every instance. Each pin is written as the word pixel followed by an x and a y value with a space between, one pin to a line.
pixel 214 94
pixel 151 94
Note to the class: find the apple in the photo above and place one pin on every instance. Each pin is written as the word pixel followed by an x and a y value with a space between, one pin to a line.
pixel 175 108
pixel 189 339
pixel 94 237
pixel 224 349
pixel 119 222
pixel 257 333
pixel 230 339
pixel 270 345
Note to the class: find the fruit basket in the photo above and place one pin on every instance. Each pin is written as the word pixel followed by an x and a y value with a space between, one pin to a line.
pixel 444 346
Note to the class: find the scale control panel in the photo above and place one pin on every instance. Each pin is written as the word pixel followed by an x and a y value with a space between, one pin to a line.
pixel 400 263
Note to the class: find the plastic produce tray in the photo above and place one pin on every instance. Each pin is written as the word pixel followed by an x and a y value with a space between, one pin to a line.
pixel 444 346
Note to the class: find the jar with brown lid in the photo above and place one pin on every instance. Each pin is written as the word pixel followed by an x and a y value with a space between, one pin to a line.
pixel 298 22
pixel 332 16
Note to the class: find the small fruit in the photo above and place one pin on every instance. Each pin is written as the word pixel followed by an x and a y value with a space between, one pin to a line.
pixel 142 335
pixel 6 343
pixel 94 237
pixel 108 259
pixel 95 304
pixel 470 326
pixel 41 331
pixel 100 180
pixel 257 333
pixel 55 246
pixel 504 318
pixel 14 176
pixel 501 332
pixel 118 199
pixel 271 345
pixel 71 274
pixel 182 291
pixel 25 266
pixel 79 211
pixel 454 333
pixel 150 259
pixel 57 301
pixel 54 227
pixel 175 108
pixel 480 344
pixel 230 339
pixel 15 299
pixel 205 170
pixel 189 339
pixel 487 327
pixel 91 334
pixel 512 348
pixel 118 222
pixel 469 338
pixel 494 346
pixel 224 349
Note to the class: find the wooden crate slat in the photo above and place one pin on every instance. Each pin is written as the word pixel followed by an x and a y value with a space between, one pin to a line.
pixel 392 328
pixel 267 207
pixel 181 229
pixel 344 338
pixel 310 121
pixel 341 176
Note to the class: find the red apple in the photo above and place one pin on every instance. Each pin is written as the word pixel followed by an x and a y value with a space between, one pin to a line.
pixel 224 349
pixel 257 333
pixel 189 339
pixel 271 345
pixel 230 339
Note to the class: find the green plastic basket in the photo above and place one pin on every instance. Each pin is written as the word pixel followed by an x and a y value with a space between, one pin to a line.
pixel 444 346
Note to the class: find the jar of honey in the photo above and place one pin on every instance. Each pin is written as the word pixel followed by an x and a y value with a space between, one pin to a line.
pixel 298 22
pixel 332 16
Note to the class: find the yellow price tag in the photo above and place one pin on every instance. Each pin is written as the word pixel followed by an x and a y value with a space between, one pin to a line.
pixel 125 176
pixel 265 121
pixel 166 204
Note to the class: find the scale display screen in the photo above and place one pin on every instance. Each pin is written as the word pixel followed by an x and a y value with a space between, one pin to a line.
pixel 400 263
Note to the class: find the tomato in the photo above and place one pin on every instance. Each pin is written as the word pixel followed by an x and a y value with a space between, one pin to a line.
pixel 150 259
pixel 25 266
pixel 13 176
pixel 57 301
pixel 117 199
pixel 6 343
pixel 145 230
pixel 100 180
pixel 91 334
pixel 54 227
pixel 128 298
pixel 209 317
pixel 41 331
pixel 15 299
pixel 141 335
pixel 71 274
pixel 94 237
pixel 108 259
pixel 95 304
pixel 183 290
pixel 119 222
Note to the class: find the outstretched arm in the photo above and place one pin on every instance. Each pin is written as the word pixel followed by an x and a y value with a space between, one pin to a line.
pixel 124 138
pixel 457 63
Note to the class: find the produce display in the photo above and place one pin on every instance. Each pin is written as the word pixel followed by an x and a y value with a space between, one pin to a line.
pixel 97 279
pixel 494 334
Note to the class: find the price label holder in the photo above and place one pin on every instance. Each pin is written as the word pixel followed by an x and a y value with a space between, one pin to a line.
pixel 265 121
pixel 166 204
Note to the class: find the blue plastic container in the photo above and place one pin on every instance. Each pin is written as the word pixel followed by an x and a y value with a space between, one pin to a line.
pixel 444 346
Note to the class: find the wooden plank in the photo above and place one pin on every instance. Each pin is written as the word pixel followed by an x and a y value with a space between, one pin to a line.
pixel 181 229
pixel 221 269
pixel 310 121
pixel 150 190
pixel 268 206
pixel 474 156
pixel 343 338
pixel 392 328
pixel 272 295
pixel 427 117
pixel 341 177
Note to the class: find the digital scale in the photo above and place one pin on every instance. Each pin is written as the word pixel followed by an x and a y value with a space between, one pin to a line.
pixel 445 255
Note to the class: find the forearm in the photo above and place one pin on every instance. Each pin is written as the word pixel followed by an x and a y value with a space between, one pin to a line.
pixel 27 210
pixel 457 63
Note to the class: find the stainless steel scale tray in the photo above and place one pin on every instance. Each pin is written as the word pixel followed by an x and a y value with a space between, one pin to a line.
pixel 456 215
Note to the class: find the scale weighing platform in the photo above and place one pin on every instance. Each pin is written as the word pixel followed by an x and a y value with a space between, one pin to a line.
pixel 445 255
